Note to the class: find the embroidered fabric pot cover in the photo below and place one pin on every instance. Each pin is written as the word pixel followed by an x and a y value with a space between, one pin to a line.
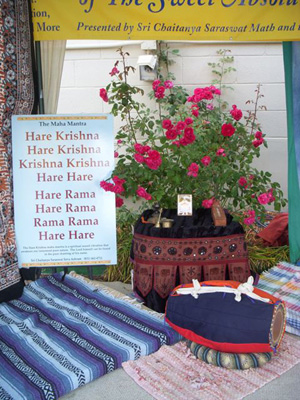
pixel 193 248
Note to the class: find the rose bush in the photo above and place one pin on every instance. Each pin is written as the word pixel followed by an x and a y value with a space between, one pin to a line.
pixel 188 144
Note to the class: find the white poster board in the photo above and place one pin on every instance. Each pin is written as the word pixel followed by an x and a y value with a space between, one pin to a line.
pixel 62 217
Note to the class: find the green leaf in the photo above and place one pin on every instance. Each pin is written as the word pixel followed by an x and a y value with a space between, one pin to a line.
pixel 277 206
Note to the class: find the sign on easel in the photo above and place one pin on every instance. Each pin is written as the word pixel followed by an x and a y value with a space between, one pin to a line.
pixel 62 218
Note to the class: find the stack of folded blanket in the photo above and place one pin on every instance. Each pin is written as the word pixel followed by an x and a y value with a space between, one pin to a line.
pixel 283 281
pixel 62 334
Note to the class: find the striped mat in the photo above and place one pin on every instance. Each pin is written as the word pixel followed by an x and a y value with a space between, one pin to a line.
pixel 283 281
pixel 174 373
pixel 61 335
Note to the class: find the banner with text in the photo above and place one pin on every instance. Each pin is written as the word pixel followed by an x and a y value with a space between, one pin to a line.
pixel 242 20
pixel 62 218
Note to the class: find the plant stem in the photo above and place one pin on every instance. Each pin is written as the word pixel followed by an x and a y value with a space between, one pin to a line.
pixel 125 80
pixel 255 108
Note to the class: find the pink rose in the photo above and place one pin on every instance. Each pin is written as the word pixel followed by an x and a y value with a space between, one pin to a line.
pixel 167 124
pixel 107 186
pixel 168 84
pixel 193 170
pixel 227 130
pixel 159 95
pixel 263 198
pixel 208 94
pixel 258 135
pixel 236 113
pixel 249 220
pixel 251 217
pixel 180 125
pixel 145 149
pixel 214 90
pixel 154 159
pixel 189 130
pixel 115 188
pixel 243 182
pixel 119 202
pixel 183 141
pixel 139 158
pixel 189 135
pixel 160 92
pixel 152 164
pixel 154 154
pixel 188 121
pixel 171 134
pixel 197 98
pixel 120 141
pixel 221 152
pixel 139 148
pixel 203 93
pixel 103 95
pixel 206 160
pixel 270 195
pixel 141 192
pixel 114 71
pixel 155 84
pixel 210 106
pixel 176 143
pixel 160 89
pixel 118 189
pixel 256 143
pixel 116 154
pixel 195 110
pixel 208 203
pixel 118 181
pixel 198 92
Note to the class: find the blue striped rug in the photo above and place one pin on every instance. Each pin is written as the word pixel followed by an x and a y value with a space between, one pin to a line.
pixel 61 335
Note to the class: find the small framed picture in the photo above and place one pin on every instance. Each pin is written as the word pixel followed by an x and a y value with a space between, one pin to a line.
pixel 185 204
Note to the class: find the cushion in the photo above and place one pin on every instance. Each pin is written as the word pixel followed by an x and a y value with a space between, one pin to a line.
pixel 229 360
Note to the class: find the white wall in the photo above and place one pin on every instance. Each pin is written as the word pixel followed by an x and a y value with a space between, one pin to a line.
pixel 87 66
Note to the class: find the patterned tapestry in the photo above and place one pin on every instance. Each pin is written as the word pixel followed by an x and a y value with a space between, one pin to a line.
pixel 16 97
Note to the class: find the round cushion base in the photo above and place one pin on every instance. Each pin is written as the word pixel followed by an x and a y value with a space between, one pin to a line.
pixel 229 360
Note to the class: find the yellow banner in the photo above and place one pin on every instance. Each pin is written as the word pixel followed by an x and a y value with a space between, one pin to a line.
pixel 239 20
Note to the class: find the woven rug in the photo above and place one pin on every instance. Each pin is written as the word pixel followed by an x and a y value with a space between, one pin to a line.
pixel 174 373
pixel 60 335
pixel 283 281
